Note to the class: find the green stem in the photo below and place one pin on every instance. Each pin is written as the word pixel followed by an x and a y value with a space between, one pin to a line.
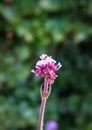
pixel 43 104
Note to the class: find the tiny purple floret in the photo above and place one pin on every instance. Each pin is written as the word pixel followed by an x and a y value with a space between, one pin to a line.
pixel 46 68
pixel 51 125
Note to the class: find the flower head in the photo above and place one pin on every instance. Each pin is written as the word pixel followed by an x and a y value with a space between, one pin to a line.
pixel 46 68
pixel 52 125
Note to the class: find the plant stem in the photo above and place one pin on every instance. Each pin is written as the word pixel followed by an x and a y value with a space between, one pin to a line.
pixel 42 108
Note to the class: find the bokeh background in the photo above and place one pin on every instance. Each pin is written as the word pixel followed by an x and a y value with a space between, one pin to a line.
pixel 62 29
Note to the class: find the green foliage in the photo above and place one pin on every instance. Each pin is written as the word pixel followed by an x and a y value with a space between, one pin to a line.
pixel 59 28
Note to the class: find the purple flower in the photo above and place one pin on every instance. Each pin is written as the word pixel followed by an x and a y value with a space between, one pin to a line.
pixel 46 68
pixel 51 125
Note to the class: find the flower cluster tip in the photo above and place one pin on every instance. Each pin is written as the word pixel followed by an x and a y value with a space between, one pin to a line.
pixel 46 68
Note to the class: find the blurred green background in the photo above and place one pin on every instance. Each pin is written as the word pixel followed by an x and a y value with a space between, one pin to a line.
pixel 62 29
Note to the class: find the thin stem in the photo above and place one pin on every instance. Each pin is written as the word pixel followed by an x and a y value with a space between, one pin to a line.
pixel 41 115
pixel 45 86
pixel 42 108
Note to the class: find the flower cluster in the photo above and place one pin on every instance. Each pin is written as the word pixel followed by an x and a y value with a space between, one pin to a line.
pixel 46 68
pixel 51 125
